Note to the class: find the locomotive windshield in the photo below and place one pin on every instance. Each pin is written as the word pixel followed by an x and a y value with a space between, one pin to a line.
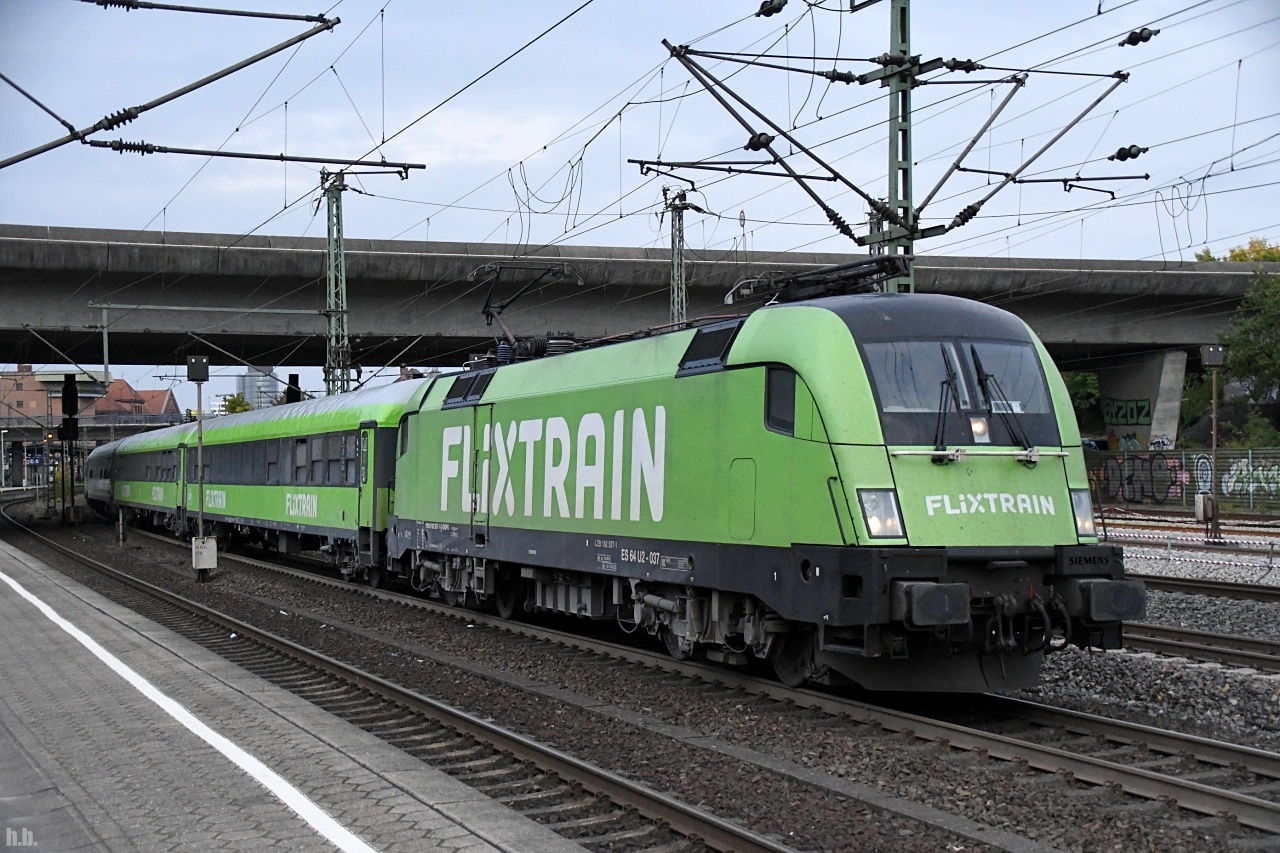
pixel 916 380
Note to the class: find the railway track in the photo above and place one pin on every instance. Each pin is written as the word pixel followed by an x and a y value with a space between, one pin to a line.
pixel 1202 645
pixel 1197 774
pixel 587 804
pixel 1202 586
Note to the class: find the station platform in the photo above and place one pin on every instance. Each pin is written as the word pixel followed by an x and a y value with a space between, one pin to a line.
pixel 118 735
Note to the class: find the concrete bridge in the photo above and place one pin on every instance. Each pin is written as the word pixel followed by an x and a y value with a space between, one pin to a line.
pixel 414 302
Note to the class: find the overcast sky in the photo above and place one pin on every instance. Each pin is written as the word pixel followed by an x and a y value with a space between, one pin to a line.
pixel 535 152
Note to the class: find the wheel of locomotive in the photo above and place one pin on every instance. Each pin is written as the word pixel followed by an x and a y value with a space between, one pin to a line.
pixel 506 598
pixel 790 657
pixel 672 642
pixel 374 576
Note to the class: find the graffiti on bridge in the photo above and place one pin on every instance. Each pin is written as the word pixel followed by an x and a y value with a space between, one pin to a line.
pixel 1138 479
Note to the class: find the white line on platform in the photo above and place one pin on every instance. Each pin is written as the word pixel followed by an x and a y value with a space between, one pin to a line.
pixel 299 802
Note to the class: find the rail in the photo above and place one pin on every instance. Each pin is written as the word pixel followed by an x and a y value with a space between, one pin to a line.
pixel 1229 649
pixel 688 820
pixel 1140 781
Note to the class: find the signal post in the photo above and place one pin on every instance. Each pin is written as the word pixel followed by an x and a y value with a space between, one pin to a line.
pixel 204 549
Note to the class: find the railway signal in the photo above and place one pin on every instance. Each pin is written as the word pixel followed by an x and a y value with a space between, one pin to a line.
pixel 204 549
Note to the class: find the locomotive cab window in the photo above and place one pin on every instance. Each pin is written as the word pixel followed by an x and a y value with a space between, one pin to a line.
pixel 925 390
pixel 780 400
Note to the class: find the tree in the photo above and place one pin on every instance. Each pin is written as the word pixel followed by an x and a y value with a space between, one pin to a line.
pixel 1253 340
pixel 236 403
pixel 1082 385
pixel 1257 249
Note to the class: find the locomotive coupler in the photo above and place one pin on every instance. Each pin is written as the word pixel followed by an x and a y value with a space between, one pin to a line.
pixel 1061 619
pixel 1000 634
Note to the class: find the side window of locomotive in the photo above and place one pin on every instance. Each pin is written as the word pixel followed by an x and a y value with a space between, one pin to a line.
pixel 780 400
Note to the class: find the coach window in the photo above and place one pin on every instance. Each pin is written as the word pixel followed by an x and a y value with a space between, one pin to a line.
pixel 364 458
pixel 349 442
pixel 333 458
pixel 317 460
pixel 780 401
pixel 300 462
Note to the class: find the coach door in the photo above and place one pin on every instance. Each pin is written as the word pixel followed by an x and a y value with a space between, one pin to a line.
pixel 481 475
pixel 367 494
pixel 184 500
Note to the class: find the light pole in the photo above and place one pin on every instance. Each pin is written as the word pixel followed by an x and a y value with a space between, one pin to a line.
pixel 4 461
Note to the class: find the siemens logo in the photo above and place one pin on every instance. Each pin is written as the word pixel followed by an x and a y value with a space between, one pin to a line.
pixel 990 502
pixel 584 464
pixel 1088 561
pixel 302 506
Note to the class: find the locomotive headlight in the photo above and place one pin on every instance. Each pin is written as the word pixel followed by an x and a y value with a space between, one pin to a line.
pixel 981 432
pixel 880 510
pixel 1082 507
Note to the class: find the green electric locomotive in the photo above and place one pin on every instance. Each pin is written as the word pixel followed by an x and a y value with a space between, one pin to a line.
pixel 881 489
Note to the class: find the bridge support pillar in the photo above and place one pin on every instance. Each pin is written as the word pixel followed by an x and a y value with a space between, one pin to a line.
pixel 1142 400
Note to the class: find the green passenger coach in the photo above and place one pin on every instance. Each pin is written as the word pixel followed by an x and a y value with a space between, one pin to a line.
pixel 307 476
pixel 881 489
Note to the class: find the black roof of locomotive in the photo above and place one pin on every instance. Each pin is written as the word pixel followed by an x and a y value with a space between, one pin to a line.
pixel 900 316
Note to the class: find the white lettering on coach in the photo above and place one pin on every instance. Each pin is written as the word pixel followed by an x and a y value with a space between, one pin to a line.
pixel 990 503
pixel 302 506
pixel 583 465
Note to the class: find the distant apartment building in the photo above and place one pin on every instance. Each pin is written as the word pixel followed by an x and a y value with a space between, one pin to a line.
pixel 28 396
pixel 259 387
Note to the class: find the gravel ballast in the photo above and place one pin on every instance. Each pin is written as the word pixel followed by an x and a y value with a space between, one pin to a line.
pixel 1046 810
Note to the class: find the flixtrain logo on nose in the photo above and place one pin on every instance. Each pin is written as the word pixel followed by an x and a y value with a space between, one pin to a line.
pixel 990 502
pixel 588 464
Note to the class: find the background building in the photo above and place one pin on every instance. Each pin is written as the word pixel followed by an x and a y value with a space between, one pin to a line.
pixel 259 386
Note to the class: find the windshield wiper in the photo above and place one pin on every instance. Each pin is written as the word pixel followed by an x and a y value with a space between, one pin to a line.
pixel 985 383
pixel 940 431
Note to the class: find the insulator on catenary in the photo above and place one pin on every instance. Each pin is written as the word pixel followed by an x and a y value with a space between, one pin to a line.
pixel 133 147
pixel 1138 37
pixel 770 7
pixel 964 216
pixel 1130 152
pixel 116 119
pixel 758 142
pixel 838 221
